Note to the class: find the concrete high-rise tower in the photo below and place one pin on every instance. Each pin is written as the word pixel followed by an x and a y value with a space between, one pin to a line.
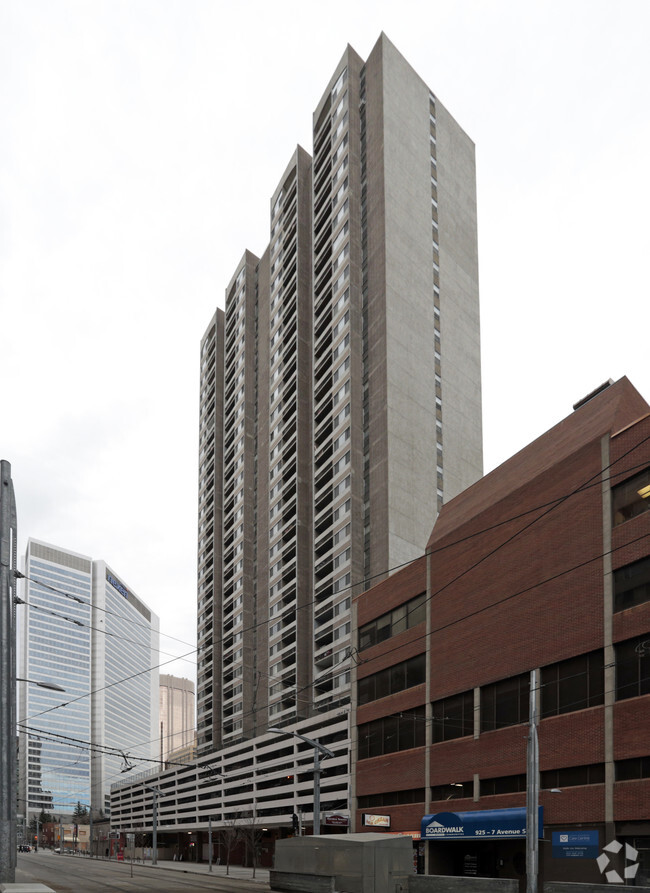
pixel 340 396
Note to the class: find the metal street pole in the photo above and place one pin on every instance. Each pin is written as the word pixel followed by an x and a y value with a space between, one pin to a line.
pixel 8 552
pixel 316 789
pixel 154 859
pixel 154 840
pixel 210 842
pixel 318 750
pixel 532 791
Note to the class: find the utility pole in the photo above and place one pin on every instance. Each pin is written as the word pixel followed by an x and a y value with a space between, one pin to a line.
pixel 154 836
pixel 318 750
pixel 8 553
pixel 317 771
pixel 532 791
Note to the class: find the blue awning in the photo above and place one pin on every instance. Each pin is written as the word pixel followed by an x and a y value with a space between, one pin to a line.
pixel 483 824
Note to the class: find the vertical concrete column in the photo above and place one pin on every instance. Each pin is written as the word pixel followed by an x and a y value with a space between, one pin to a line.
pixel 476 786
pixel 352 728
pixel 428 711
pixel 609 680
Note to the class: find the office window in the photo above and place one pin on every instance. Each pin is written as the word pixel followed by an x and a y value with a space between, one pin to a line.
pixel 391 798
pixel 572 684
pixel 455 790
pixel 393 679
pixel 633 667
pixel 392 733
pixel 632 585
pixel 631 498
pixel 505 703
pixel 393 622
pixel 453 717
pixel 506 784
pixel 573 776
pixel 628 770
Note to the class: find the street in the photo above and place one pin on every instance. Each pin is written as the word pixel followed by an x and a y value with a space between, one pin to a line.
pixel 76 874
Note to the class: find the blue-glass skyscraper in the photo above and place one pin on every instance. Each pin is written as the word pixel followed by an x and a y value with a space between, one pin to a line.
pixel 85 630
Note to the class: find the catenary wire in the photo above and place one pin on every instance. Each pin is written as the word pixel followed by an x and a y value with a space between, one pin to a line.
pixel 75 598
pixel 94 628
pixel 334 671
pixel 595 480
pixel 110 685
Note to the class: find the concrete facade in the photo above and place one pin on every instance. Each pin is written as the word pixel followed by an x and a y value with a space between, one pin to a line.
pixel 322 458
pixel 324 395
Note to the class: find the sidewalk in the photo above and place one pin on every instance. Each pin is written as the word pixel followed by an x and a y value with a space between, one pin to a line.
pixel 236 871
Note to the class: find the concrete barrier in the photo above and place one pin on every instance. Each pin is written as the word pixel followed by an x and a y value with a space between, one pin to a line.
pixel 292 882
pixel 369 862
pixel 25 888
pixel 566 887
pixel 433 883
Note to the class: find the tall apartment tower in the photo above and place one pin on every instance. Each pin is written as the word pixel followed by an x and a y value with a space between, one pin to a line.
pixel 340 396
pixel 86 631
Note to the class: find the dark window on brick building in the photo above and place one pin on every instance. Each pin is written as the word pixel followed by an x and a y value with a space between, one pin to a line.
pixel 572 684
pixel 506 784
pixel 633 667
pixel 631 498
pixel 572 776
pixel 393 679
pixel 456 790
pixel 628 770
pixel 632 585
pixel 391 733
pixel 391 798
pixel 453 717
pixel 505 703
pixel 390 624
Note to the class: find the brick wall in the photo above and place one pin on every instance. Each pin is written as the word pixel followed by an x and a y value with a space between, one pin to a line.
pixel 517 582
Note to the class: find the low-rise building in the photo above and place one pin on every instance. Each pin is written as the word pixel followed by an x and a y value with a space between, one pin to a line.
pixel 543 565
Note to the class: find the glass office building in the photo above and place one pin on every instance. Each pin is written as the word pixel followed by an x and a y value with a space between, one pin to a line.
pixel 86 631
pixel 56 648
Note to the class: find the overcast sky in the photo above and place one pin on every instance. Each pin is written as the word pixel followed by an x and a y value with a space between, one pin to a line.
pixel 140 143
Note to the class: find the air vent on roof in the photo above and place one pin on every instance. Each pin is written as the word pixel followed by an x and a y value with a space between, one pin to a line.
pixel 594 393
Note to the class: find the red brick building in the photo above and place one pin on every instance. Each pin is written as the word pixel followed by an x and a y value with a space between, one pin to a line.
pixel 543 564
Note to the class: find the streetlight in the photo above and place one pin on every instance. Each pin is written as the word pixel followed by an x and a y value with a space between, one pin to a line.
pixel 212 773
pixel 156 793
pixel 51 686
pixel 318 750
